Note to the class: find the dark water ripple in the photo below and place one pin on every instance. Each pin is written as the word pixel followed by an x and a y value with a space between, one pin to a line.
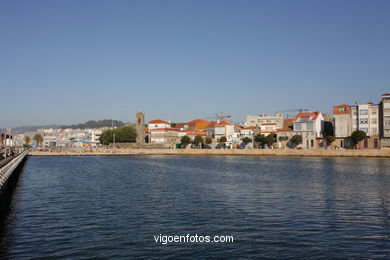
pixel 111 207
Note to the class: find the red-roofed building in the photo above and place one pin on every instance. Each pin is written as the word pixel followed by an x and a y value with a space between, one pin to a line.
pixel 198 124
pixel 154 124
pixel 192 133
pixel 284 134
pixel 167 135
pixel 342 124
pixel 310 126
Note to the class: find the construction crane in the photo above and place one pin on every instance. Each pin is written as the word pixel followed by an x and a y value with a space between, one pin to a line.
pixel 220 117
pixel 299 110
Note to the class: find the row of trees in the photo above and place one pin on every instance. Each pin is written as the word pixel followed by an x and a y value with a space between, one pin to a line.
pixel 265 140
pixel 198 141
pixel 356 137
pixel 125 134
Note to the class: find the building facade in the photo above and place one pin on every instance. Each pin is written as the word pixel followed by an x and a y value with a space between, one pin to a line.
pixel 262 119
pixel 310 126
pixel 365 117
pixel 342 125
pixel 384 121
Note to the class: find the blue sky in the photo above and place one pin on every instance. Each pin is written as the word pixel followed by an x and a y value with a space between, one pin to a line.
pixel 70 61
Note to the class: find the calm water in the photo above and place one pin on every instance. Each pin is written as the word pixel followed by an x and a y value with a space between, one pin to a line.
pixel 111 207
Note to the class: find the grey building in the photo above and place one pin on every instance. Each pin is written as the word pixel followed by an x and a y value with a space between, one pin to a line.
pixel 384 121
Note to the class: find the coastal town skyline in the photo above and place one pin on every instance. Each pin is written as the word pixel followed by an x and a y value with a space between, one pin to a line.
pixel 73 61
pixel 194 129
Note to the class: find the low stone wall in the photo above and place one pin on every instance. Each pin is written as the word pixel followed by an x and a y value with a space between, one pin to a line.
pixel 236 152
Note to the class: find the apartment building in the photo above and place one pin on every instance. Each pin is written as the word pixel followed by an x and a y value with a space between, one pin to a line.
pixel 262 119
pixel 365 117
pixel 342 125
pixel 384 121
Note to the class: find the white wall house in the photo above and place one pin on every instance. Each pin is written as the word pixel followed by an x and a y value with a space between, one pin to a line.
pixel 310 126
pixel 158 124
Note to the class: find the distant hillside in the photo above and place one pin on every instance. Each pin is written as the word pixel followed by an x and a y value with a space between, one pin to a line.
pixel 96 124
pixel 88 124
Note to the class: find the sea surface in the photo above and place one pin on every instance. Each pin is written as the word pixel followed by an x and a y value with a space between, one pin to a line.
pixel 273 207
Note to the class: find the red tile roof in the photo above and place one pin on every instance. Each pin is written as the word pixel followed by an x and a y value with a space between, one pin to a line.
pixel 158 121
pixel 211 124
pixel 181 125
pixel 223 123
pixel 266 131
pixel 195 132
pixel 165 129
pixel 337 112
pixel 314 115
pixel 199 124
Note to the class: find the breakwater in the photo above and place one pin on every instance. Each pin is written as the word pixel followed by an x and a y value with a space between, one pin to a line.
pixel 205 152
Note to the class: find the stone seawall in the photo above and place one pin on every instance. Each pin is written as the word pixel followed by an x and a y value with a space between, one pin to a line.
pixel 236 152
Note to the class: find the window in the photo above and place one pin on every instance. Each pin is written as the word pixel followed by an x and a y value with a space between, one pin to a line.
pixel 387 131
pixel 364 121
pixel 387 122
pixel 386 105
pixel 309 126
pixel 386 114
pixel 364 112
pixel 374 130
pixel 297 126
pixel 373 121
pixel 342 109
pixel 312 143
pixel 373 112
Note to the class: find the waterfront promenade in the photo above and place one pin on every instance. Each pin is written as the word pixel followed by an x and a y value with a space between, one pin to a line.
pixel 203 152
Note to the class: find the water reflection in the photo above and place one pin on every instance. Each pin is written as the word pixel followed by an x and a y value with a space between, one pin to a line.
pixel 110 207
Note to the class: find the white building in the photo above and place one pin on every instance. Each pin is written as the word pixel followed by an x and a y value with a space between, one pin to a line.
pixel 365 117
pixel 310 126
pixel 262 119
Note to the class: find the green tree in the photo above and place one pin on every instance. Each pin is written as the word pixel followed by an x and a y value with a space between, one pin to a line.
pixel 38 139
pixel 246 140
pixel 270 139
pixel 260 138
pixel 107 137
pixel 329 140
pixel 358 136
pixel 125 134
pixel 223 139
pixel 209 140
pixel 27 139
pixel 198 140
pixel 185 140
pixel 296 139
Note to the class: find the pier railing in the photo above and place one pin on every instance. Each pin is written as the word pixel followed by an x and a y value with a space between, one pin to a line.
pixel 7 170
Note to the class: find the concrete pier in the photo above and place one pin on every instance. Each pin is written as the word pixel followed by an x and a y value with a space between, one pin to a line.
pixel 8 169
